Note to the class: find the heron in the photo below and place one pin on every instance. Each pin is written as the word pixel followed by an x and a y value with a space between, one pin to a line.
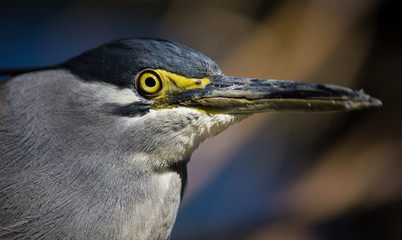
pixel 97 147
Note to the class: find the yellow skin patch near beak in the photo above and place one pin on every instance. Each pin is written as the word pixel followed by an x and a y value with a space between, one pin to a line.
pixel 170 84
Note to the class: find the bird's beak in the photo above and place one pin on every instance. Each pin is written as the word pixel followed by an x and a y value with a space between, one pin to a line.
pixel 231 95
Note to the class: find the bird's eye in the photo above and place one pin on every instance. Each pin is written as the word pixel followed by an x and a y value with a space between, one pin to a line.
pixel 148 83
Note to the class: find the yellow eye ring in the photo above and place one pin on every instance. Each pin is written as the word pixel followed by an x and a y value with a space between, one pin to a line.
pixel 148 82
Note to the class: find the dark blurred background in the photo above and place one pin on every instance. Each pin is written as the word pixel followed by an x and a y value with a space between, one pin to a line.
pixel 273 176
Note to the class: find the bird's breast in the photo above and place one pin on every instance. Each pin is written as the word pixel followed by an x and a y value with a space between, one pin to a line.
pixel 154 217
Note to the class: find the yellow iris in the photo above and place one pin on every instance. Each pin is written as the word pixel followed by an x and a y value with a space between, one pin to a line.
pixel 149 82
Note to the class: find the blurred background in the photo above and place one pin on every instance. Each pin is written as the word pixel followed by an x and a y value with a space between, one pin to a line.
pixel 277 175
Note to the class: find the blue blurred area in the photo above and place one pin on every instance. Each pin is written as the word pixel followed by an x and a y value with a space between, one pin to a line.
pixel 235 201
pixel 49 32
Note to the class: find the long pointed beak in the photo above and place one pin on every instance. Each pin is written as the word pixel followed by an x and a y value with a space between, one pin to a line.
pixel 226 94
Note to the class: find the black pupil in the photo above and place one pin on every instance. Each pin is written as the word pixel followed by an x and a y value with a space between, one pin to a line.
pixel 150 82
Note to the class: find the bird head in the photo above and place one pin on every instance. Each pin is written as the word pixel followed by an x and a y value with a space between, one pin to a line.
pixel 178 97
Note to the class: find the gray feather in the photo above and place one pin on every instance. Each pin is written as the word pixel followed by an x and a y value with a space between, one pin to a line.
pixel 67 168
